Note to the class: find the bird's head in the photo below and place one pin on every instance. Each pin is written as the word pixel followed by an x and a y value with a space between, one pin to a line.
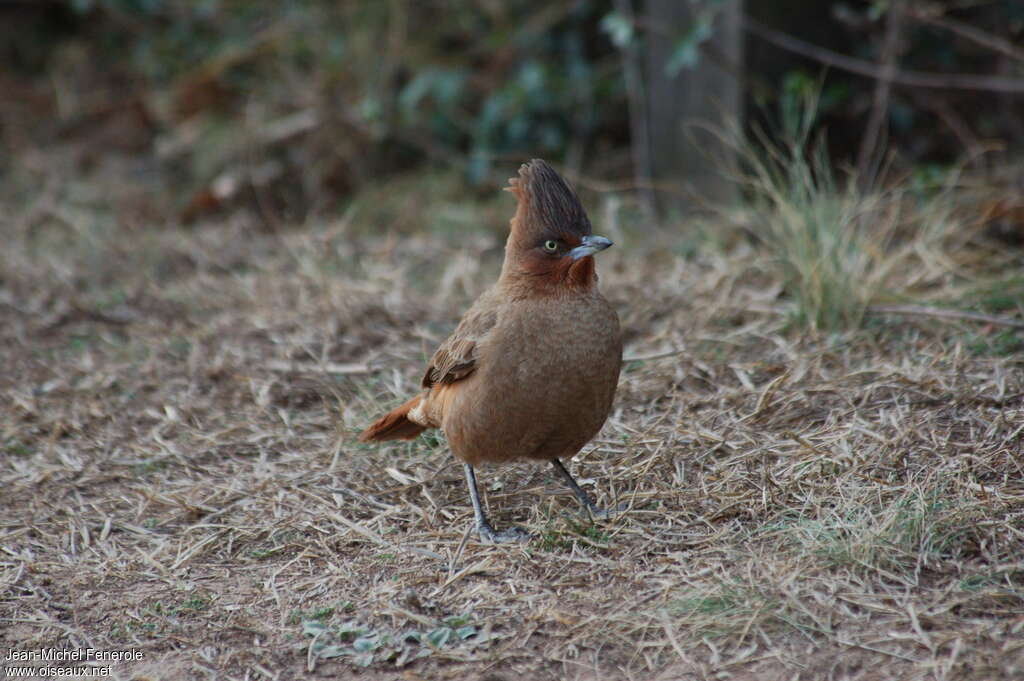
pixel 551 244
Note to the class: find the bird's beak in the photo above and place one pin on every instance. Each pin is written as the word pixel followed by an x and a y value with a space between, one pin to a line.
pixel 589 245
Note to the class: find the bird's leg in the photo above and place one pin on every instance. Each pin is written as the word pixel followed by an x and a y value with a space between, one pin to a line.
pixel 584 499
pixel 488 533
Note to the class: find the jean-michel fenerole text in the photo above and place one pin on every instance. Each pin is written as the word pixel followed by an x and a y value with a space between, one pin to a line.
pixel 71 654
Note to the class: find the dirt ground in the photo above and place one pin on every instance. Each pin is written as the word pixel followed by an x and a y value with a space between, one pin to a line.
pixel 179 474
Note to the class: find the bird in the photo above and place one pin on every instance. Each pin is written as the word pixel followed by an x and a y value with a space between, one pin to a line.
pixel 530 371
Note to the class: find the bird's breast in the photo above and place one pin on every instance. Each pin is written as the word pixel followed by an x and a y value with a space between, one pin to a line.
pixel 544 384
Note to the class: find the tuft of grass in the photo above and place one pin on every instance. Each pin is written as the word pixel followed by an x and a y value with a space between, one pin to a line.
pixel 1002 343
pixel 563 539
pixel 319 614
pixel 1002 295
pixel 921 529
pixel 18 449
pixel 723 609
pixel 834 245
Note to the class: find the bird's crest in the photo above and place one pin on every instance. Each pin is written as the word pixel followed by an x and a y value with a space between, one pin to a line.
pixel 546 203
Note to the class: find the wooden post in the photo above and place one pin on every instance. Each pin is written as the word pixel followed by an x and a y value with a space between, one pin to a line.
pixel 688 160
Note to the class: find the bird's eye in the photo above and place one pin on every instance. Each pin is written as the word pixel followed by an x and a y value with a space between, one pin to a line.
pixel 550 245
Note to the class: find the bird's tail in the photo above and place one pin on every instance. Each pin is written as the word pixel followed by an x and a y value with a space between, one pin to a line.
pixel 395 425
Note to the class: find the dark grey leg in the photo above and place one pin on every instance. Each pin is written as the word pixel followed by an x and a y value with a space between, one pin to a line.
pixel 488 533
pixel 585 500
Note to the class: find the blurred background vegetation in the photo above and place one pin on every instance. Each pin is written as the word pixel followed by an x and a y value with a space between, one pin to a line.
pixel 293 109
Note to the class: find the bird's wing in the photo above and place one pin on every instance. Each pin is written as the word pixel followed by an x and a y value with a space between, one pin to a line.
pixel 457 356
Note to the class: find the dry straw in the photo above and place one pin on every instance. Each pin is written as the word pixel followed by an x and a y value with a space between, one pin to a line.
pixel 186 481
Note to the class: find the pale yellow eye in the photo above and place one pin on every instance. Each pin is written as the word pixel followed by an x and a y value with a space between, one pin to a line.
pixel 550 245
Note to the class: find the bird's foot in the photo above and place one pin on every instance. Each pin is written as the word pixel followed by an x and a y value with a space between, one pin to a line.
pixel 489 535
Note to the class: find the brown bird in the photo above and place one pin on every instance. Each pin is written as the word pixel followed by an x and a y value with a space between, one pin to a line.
pixel 531 369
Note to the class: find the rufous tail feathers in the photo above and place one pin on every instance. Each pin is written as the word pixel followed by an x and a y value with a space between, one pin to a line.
pixel 395 425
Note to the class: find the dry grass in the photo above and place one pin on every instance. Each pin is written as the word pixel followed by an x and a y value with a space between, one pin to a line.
pixel 179 473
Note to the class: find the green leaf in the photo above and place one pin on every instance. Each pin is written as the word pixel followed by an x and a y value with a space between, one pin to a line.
pixel 330 651
pixel 455 621
pixel 313 627
pixel 350 629
pixel 369 108
pixel 438 637
pixel 444 86
pixel 686 51
pixel 532 78
pixel 465 632
pixel 618 28
pixel 365 644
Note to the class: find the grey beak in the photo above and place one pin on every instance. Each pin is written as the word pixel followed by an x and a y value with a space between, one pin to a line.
pixel 589 246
